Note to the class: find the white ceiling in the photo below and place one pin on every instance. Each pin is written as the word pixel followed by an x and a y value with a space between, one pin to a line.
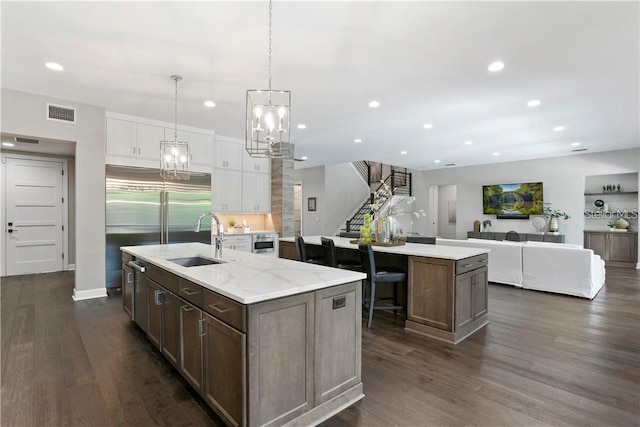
pixel 426 62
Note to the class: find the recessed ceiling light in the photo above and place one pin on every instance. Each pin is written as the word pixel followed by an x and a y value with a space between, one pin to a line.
pixel 436 161
pixel 209 104
pixel 8 144
pixel 496 154
pixel 468 142
pixel 558 128
pixel 496 66
pixel 54 66
pixel 304 157
pixel 533 103
pixel 374 104
pixel 302 126
pixel 357 140
pixel 427 126
pixel 575 144
pixel 403 152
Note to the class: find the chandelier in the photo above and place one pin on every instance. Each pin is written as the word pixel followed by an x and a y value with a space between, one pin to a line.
pixel 174 155
pixel 269 119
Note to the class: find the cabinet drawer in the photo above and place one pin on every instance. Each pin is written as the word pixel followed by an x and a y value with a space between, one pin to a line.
pixel 471 263
pixel 190 291
pixel 225 309
pixel 164 278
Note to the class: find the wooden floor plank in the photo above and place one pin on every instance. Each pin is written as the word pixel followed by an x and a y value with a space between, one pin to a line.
pixel 544 359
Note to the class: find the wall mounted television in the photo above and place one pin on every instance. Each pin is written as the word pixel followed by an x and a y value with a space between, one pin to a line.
pixel 513 201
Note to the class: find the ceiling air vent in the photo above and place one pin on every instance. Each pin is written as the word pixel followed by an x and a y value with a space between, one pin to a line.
pixel 61 113
pixel 579 149
pixel 450 164
pixel 26 140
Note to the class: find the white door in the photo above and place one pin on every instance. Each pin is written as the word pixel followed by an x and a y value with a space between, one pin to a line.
pixel 34 216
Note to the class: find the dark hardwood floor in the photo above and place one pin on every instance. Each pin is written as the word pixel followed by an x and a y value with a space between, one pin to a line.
pixel 544 359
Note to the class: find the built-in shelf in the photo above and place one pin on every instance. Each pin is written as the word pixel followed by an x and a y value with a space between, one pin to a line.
pixel 609 193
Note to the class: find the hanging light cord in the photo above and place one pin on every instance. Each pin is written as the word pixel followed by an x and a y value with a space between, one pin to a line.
pixel 175 129
pixel 270 50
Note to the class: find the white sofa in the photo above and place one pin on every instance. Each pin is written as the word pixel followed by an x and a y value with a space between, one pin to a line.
pixel 551 267
pixel 563 269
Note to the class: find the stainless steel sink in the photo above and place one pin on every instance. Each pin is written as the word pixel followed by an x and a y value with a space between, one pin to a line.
pixel 194 261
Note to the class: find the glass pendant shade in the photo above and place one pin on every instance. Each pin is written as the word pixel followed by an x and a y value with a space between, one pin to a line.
pixel 175 160
pixel 269 124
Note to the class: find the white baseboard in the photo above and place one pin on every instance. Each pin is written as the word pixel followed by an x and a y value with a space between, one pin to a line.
pixel 88 294
pixel 71 267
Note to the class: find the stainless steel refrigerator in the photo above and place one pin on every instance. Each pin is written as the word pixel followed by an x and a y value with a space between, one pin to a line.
pixel 143 209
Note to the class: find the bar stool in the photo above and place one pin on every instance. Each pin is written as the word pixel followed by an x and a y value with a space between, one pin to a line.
pixel 388 275
pixel 331 257
pixel 302 252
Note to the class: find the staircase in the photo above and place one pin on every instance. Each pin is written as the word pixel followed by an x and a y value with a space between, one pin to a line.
pixel 398 181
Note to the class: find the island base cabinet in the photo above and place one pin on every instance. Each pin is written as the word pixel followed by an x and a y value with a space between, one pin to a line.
pixel 281 339
pixel 447 299
pixel 224 382
pixel 170 342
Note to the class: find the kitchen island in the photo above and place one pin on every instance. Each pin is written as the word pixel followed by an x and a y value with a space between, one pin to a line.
pixel 446 285
pixel 265 341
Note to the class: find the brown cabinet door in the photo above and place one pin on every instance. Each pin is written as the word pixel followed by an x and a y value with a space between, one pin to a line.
pixel 430 300
pixel 464 300
pixel 154 312
pixel 622 247
pixel 338 332
pixel 171 327
pixel 128 277
pixel 224 370
pixel 479 297
pixel 598 243
pixel 191 330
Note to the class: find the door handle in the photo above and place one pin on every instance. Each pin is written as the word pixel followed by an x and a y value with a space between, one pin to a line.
pixel 156 297
pixel 187 308
pixel 201 327
pixel 187 291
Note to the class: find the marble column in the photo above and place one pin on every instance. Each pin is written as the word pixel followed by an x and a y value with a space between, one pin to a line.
pixel 282 213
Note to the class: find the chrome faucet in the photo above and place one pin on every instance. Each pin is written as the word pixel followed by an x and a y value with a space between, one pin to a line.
pixel 219 238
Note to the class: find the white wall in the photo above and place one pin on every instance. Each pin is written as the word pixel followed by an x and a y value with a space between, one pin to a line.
pixel 344 193
pixel 24 114
pixel 563 185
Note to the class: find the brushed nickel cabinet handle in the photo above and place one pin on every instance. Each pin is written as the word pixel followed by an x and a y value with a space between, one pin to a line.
pixel 201 327
pixel 219 310
pixel 187 308
pixel 188 291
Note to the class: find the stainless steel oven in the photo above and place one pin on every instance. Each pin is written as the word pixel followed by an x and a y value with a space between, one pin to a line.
pixel 265 244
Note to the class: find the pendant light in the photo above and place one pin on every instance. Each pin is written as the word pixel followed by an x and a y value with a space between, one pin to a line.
pixel 174 155
pixel 269 118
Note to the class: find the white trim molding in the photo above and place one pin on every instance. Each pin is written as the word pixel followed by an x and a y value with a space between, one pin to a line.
pixel 89 294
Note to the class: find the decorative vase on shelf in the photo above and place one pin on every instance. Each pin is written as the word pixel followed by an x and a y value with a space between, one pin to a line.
pixel 383 230
pixel 366 233
pixel 553 225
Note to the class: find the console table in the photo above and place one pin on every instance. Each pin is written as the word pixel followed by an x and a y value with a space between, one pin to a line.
pixel 496 235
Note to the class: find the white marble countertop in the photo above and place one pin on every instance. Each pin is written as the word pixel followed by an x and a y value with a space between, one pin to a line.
pixel 414 249
pixel 239 232
pixel 245 277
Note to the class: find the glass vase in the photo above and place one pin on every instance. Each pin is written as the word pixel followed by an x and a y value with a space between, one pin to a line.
pixel 383 230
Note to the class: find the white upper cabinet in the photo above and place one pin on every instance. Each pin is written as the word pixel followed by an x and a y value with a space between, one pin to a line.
pixel 228 154
pixel 226 190
pixel 256 192
pixel 148 140
pixel 121 137
pixel 201 146
pixel 135 141
pixel 255 164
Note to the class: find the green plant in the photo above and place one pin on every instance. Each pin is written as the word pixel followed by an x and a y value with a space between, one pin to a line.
pixel 612 224
pixel 232 223
pixel 547 212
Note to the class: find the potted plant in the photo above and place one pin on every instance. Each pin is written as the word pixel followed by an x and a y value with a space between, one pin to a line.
pixel 553 215
pixel 232 225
